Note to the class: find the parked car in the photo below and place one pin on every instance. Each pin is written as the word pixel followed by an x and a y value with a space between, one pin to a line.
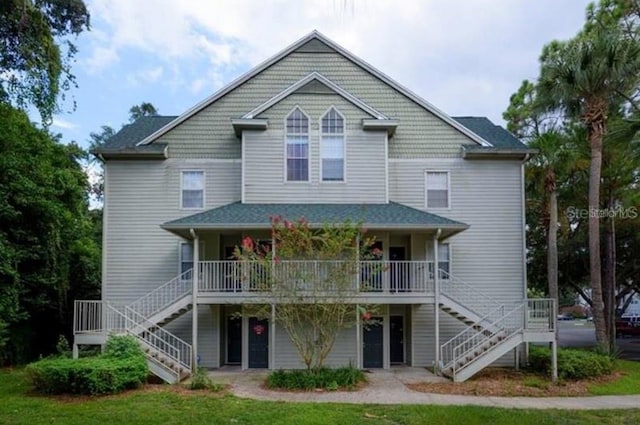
pixel 565 317
pixel 628 326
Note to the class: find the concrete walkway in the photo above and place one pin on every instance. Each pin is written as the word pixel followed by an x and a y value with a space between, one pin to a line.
pixel 388 387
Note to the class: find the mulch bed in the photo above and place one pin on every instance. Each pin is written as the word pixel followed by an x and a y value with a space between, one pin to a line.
pixel 501 382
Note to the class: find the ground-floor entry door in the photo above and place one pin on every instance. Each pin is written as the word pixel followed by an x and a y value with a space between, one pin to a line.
pixel 372 345
pixel 234 340
pixel 396 339
pixel 258 343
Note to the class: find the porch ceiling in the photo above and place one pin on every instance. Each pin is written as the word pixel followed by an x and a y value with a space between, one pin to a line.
pixel 391 216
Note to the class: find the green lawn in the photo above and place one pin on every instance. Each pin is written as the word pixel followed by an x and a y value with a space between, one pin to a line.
pixel 18 406
pixel 629 383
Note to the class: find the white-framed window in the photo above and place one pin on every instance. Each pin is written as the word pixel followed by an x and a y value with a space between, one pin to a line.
pixel 332 146
pixel 444 260
pixel 185 256
pixel 297 149
pixel 437 189
pixel 192 189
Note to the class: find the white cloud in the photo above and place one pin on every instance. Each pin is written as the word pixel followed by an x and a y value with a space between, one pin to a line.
pixel 434 47
pixel 63 124
pixel 101 57
pixel 145 76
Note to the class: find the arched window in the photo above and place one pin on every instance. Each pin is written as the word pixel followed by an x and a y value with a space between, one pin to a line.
pixel 297 146
pixel 332 146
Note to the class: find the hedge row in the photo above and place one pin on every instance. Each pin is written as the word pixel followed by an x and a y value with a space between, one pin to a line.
pixel 121 367
pixel 329 379
pixel 572 363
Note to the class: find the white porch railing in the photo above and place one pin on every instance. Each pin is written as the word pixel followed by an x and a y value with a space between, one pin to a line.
pixel 330 276
pixel 466 295
pixel 164 295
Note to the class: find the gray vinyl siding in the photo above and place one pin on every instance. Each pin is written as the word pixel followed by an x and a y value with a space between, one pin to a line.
pixel 343 353
pixel 139 197
pixel 265 162
pixel 422 335
pixel 209 333
pixel 209 133
pixel 489 255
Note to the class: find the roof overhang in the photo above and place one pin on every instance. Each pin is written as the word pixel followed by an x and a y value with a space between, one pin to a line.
pixel 240 124
pixel 155 152
pixel 238 216
pixel 497 153
pixel 380 124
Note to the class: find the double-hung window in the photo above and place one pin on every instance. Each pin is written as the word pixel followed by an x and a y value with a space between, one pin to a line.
pixel 297 130
pixel 192 196
pixel 444 261
pixel 186 255
pixel 437 189
pixel 332 150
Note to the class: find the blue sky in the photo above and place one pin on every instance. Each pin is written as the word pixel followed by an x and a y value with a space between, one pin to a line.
pixel 465 57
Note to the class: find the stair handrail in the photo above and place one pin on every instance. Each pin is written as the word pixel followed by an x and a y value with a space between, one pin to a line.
pixel 504 325
pixel 164 295
pixel 447 349
pixel 464 294
pixel 159 339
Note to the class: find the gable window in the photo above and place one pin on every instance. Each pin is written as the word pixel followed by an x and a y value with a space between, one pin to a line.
pixel 437 189
pixel 297 130
pixel 192 189
pixel 332 151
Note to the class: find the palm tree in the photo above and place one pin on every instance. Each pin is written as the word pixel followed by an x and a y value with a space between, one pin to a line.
pixel 586 77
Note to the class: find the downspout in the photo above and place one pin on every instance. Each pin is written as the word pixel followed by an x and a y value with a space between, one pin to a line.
pixel 524 247
pixel 194 299
pixel 436 286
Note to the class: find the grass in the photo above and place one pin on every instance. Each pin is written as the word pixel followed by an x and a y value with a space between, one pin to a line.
pixel 626 384
pixel 165 405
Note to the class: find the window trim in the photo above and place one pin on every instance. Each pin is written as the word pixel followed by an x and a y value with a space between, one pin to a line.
pixel 426 190
pixel 286 157
pixel 201 256
pixel 344 147
pixel 204 189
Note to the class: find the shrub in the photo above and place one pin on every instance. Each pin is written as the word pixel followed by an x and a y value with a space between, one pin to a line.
pixel 201 381
pixel 326 378
pixel 123 366
pixel 572 363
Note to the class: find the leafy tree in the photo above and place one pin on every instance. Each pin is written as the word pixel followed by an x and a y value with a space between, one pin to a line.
pixel 36 51
pixel 145 109
pixel 312 304
pixel 48 254
pixel 585 77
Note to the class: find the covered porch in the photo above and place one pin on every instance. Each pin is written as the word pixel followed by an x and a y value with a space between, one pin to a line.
pixel 402 271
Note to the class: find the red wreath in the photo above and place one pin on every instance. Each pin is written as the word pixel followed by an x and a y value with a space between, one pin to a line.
pixel 258 329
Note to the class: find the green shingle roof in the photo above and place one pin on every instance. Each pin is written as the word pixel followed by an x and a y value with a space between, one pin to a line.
pixel 131 134
pixel 494 134
pixel 239 215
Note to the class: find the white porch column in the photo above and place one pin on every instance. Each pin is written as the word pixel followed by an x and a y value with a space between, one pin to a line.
pixel 272 343
pixel 358 339
pixel 194 295
pixel 436 307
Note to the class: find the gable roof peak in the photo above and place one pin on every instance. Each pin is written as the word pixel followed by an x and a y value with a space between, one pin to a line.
pixel 315 34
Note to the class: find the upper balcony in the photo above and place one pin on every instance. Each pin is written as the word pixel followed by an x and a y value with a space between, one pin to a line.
pixel 390 282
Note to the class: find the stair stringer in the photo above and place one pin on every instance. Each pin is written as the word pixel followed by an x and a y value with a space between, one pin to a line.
pixel 489 356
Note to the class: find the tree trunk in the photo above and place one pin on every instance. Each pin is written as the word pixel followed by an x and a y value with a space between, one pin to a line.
pixel 596 134
pixel 609 284
pixel 552 249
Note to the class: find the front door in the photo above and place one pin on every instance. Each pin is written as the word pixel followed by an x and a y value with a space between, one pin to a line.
pixel 398 276
pixel 234 340
pixel 372 344
pixel 258 343
pixel 396 339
